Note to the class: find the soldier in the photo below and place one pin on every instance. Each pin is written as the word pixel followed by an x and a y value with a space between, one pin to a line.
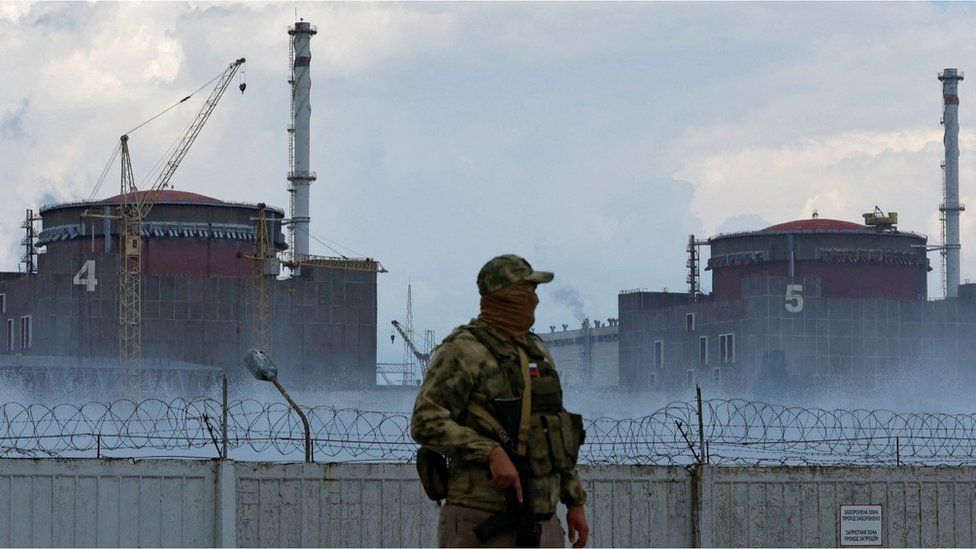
pixel 491 404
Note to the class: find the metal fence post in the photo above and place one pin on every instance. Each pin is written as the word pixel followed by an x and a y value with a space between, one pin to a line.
pixel 703 456
pixel 223 424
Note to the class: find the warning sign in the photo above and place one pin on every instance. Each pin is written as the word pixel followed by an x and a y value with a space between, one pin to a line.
pixel 860 526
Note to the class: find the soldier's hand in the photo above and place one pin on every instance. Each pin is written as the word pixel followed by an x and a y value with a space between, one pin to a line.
pixel 579 531
pixel 503 472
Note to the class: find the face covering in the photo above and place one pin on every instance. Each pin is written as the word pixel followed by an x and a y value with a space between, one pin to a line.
pixel 511 309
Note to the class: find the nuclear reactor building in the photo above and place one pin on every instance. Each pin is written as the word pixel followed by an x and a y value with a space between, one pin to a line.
pixel 803 305
pixel 177 286
pixel 811 303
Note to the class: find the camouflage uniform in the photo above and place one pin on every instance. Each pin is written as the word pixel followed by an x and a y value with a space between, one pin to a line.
pixel 479 363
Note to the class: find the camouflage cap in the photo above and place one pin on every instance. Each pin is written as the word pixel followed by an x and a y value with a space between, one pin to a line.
pixel 506 270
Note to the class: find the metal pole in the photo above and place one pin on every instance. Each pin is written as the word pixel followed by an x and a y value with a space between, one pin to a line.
pixel 213 437
pixel 898 451
pixel 701 426
pixel 223 426
pixel 309 458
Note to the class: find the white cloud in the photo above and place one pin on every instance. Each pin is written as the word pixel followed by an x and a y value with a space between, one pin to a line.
pixel 120 57
pixel 839 175
pixel 741 223
pixel 358 37
pixel 14 12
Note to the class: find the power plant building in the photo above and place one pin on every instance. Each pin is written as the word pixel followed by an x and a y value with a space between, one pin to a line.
pixel 811 303
pixel 585 357
pixel 201 282
pixel 808 303
pixel 197 308
pixel 849 259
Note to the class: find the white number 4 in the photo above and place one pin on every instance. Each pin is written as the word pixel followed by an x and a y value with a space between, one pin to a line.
pixel 86 276
pixel 794 298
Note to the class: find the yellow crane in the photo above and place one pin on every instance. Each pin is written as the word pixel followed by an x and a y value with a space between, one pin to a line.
pixel 365 264
pixel 264 256
pixel 267 265
pixel 134 208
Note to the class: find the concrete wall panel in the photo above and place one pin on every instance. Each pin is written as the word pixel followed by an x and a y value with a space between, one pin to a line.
pixel 357 505
pixel 380 505
pixel 178 503
pixel 105 503
pixel 798 507
pixel 638 506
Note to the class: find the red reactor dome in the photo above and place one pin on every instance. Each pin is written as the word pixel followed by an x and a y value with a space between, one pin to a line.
pixel 851 260
pixel 185 235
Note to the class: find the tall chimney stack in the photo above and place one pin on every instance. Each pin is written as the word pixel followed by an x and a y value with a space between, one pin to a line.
pixel 951 207
pixel 300 177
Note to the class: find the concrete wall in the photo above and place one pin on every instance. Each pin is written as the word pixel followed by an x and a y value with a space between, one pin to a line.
pixel 632 506
pixel 798 507
pixel 382 505
pixel 358 505
pixel 102 503
pixel 205 503
pixel 829 342
pixel 323 325
pixel 576 369
pixel 646 318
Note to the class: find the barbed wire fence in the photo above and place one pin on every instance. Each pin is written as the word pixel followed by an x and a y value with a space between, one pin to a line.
pixel 731 432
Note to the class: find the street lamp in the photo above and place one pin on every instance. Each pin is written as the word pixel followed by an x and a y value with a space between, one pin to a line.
pixel 263 369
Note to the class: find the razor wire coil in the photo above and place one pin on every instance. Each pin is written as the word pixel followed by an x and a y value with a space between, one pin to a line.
pixel 736 432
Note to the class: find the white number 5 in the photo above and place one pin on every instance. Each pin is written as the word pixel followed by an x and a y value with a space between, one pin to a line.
pixel 794 298
pixel 86 276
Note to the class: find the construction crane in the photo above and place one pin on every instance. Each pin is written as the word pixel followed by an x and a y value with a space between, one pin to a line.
pixel 363 264
pixel 134 208
pixel 264 257
pixel 267 264
pixel 424 358
pixel 881 221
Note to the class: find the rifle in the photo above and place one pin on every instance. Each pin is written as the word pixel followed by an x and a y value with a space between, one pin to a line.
pixel 517 516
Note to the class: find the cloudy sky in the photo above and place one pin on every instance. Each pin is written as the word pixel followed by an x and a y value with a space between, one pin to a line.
pixel 590 138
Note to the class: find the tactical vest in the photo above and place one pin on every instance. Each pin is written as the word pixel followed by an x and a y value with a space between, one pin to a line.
pixel 553 438
pixel 554 435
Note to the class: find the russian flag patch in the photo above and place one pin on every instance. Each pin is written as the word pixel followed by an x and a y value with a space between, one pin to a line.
pixel 533 369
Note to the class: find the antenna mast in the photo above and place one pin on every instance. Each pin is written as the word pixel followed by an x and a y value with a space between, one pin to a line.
pixel 409 358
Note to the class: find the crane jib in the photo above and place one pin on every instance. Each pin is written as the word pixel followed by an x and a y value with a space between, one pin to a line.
pixel 134 208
